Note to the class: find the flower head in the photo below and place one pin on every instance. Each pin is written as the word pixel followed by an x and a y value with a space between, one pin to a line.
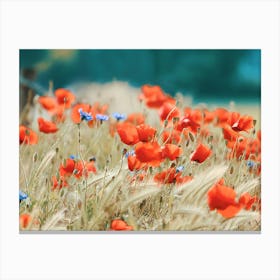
pixel 24 220
pixel 22 196
pixel 47 126
pixel 84 115
pixel 27 136
pixel 201 153
pixel 102 117
pixel 120 225
pixel 119 116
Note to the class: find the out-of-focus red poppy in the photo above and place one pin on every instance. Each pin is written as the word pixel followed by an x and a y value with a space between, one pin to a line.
pixel 48 102
pixel 149 153
pixel 27 136
pixel 171 137
pixel 240 123
pixel 247 201
pixel 230 134
pixel 186 123
pixel 194 115
pixel 134 163
pixel 120 225
pixel 58 184
pixel 168 111
pixel 75 114
pixel 222 116
pixel 24 220
pixel 47 126
pixel 146 133
pixel 208 116
pixel 64 97
pixel 223 199
pixel 67 168
pixel 201 153
pixel 171 175
pixel 128 133
pixel 171 151
pixel 135 118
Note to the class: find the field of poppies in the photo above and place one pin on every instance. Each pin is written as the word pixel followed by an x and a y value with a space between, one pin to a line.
pixel 86 167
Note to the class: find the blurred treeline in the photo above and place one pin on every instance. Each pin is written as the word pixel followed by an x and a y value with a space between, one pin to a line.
pixel 206 75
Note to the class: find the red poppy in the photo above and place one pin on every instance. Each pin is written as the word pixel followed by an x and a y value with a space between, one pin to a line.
pixel 247 201
pixel 67 168
pixel 171 175
pixel 208 116
pixel 187 123
pixel 194 115
pixel 230 134
pixel 120 225
pixel 149 153
pixel 128 133
pixel 64 97
pixel 134 163
pixel 48 102
pixel 27 136
pixel 223 199
pixel 47 126
pixel 171 137
pixel 135 118
pixel 240 123
pixel 24 220
pixel 201 153
pixel 146 133
pixel 168 111
pixel 171 151
pixel 58 184
pixel 75 114
pixel 222 115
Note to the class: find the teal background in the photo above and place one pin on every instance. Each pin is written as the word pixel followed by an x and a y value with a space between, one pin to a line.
pixel 206 75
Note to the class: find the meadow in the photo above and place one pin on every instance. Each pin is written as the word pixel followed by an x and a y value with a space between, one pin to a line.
pixel 140 162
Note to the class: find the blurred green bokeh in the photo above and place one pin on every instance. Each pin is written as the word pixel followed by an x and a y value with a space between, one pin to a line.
pixel 206 75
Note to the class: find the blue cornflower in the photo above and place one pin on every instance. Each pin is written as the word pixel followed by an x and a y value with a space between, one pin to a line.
pixel 22 196
pixel 130 153
pixel 251 163
pixel 119 116
pixel 179 168
pixel 85 116
pixel 72 157
pixel 102 117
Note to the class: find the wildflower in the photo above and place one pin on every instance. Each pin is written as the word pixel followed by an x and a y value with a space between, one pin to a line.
pixel 128 133
pixel 27 136
pixel 134 163
pixel 75 114
pixel 120 225
pixel 171 175
pixel 186 122
pixel 119 116
pixel 153 95
pixel 171 137
pixel 58 184
pixel 24 220
pixel 47 102
pixel 72 157
pixel 22 196
pixel 247 201
pixel 251 164
pixel 223 198
pixel 222 116
pixel 208 116
pixel 47 126
pixel 230 134
pixel 102 117
pixel 179 168
pixel 64 97
pixel 171 151
pixel 168 111
pixel 84 115
pixel 130 153
pixel 135 118
pixel 149 153
pixel 201 153
pixel 145 132
pixel 240 123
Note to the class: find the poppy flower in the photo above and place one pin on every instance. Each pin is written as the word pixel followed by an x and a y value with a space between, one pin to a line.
pixel 171 175
pixel 194 115
pixel 222 116
pixel 171 151
pixel 24 220
pixel 153 95
pixel 208 116
pixel 64 97
pixel 171 137
pixel 48 102
pixel 168 111
pixel 240 123
pixel 186 122
pixel 47 126
pixel 134 163
pixel 128 133
pixel 58 184
pixel 201 153
pixel 145 132
pixel 120 225
pixel 247 201
pixel 230 134
pixel 67 168
pixel 223 198
pixel 149 153
pixel 27 136
pixel 135 118
pixel 75 114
